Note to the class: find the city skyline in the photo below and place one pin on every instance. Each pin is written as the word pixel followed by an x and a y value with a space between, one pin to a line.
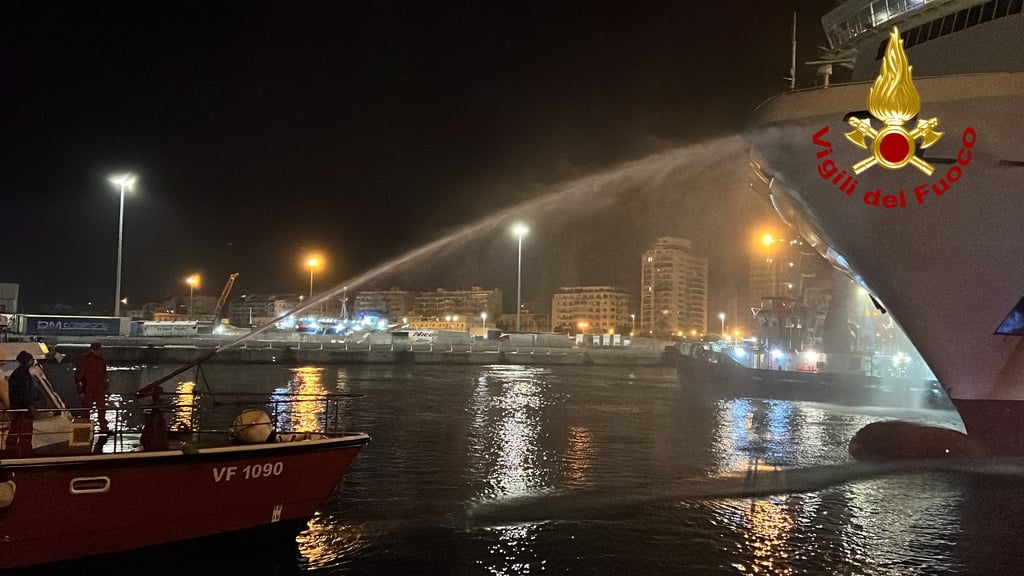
pixel 258 137
pixel 691 298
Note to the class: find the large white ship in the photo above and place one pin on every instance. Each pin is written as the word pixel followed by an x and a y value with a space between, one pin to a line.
pixel 910 177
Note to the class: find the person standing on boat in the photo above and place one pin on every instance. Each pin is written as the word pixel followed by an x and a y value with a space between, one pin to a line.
pixel 93 382
pixel 23 396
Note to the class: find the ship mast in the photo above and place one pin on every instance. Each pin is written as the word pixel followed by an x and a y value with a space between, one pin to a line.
pixel 792 59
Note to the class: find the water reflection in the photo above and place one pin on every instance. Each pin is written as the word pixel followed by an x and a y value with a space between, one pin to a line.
pixel 330 541
pixel 578 458
pixel 300 416
pixel 506 428
pixel 879 536
pixel 183 403
pixel 507 408
pixel 758 443
pixel 753 438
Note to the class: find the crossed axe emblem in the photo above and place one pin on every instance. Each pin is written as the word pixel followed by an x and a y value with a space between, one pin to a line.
pixel 893 146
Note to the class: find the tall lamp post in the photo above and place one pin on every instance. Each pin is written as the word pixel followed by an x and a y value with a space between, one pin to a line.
pixel 125 182
pixel 721 316
pixel 312 263
pixel 519 230
pixel 192 281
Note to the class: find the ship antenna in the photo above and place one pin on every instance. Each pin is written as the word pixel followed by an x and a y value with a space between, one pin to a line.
pixel 792 60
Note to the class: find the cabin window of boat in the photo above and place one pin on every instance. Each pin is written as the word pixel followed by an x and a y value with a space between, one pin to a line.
pixel 1016 7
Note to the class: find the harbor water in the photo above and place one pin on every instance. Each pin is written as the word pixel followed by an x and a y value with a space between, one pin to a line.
pixel 509 469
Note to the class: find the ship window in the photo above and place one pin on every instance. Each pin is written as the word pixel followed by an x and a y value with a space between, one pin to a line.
pixel 936 28
pixel 905 36
pixel 1013 325
pixel 987 10
pixel 922 32
pixel 1015 7
pixel 973 15
pixel 961 21
pixel 1001 8
pixel 947 24
pixel 912 40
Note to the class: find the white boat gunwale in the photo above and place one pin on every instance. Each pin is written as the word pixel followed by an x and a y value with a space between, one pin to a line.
pixel 353 439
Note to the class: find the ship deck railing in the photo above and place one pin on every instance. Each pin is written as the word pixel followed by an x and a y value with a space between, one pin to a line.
pixel 189 421
pixel 856 17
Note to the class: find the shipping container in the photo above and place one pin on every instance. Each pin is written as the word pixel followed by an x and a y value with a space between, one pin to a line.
pixel 47 325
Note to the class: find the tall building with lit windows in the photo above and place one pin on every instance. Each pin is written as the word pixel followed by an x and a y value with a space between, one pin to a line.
pixel 673 289
pixel 437 304
pixel 592 310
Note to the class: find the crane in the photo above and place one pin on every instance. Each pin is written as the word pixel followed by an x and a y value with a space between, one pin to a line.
pixel 224 297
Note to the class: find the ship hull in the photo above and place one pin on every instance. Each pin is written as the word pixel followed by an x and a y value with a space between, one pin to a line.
pixel 74 507
pixel 724 378
pixel 943 253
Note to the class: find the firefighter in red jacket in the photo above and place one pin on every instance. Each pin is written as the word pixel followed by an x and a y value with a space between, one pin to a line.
pixel 93 383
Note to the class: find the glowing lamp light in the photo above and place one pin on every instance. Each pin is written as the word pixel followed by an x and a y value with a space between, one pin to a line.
pixel 519 230
pixel 125 182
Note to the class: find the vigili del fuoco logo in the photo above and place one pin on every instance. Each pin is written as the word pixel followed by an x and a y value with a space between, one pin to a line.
pixel 894 102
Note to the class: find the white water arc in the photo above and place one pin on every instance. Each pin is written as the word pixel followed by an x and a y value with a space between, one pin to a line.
pixel 692 179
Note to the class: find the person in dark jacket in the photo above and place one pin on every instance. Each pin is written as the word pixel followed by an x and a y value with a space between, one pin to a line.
pixel 93 383
pixel 23 396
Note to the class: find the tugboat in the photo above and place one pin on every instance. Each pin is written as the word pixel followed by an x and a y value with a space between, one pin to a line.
pixel 83 493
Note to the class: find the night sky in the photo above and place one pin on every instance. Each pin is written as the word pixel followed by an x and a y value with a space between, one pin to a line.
pixel 367 129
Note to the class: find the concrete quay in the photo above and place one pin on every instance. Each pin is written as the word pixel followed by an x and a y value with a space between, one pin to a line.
pixel 129 351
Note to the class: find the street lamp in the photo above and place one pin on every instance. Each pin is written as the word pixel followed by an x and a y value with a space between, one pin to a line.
pixel 192 281
pixel 721 316
pixel 124 182
pixel 769 241
pixel 632 329
pixel 519 230
pixel 312 263
pixel 483 319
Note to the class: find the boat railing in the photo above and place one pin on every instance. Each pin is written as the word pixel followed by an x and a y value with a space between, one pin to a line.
pixel 852 19
pixel 186 421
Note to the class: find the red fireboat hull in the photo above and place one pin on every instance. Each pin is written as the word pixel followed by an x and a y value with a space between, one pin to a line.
pixel 71 507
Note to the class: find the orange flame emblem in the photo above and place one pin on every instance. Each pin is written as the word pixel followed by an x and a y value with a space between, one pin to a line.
pixel 893 99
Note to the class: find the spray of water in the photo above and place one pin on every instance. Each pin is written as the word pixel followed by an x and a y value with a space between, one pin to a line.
pixel 758 482
pixel 675 192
